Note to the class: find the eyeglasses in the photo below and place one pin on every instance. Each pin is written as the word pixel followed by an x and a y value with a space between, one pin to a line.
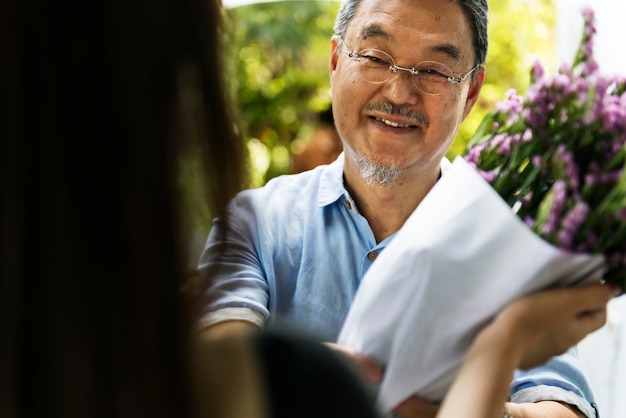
pixel 429 77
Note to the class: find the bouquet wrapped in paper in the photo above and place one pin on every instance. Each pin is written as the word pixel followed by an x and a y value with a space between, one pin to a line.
pixel 557 157
pixel 538 200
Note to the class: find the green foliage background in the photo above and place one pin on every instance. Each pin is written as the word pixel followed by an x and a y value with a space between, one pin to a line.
pixel 278 70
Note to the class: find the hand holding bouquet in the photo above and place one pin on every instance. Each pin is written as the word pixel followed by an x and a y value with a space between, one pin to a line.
pixel 557 157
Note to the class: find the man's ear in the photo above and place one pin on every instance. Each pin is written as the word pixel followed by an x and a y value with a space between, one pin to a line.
pixel 334 57
pixel 474 89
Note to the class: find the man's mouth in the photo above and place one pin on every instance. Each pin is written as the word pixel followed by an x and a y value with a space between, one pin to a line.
pixel 392 124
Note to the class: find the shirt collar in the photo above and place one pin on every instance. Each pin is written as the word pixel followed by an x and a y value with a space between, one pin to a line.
pixel 331 183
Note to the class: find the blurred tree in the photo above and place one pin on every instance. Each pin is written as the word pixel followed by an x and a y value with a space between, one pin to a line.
pixel 279 74
pixel 278 68
pixel 520 31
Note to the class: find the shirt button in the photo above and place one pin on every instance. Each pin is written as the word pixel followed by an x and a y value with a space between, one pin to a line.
pixel 371 256
pixel 348 204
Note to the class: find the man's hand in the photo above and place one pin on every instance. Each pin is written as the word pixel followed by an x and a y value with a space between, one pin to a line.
pixel 371 372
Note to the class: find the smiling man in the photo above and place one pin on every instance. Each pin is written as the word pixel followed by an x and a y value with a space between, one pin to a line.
pixel 404 75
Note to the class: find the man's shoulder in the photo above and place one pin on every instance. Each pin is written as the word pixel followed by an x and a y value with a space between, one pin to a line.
pixel 288 184
pixel 285 191
pixel 306 187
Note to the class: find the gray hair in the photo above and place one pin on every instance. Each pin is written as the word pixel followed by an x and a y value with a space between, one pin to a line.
pixel 476 11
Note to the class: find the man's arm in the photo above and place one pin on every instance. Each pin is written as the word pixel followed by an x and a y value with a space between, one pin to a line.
pixel 562 379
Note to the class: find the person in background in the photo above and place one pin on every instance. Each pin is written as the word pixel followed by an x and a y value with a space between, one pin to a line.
pixel 404 74
pixel 322 148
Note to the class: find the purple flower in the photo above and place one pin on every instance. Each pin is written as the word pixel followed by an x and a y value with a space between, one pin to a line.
pixel 613 114
pixel 611 177
pixel 488 176
pixel 537 71
pixel 565 166
pixel 570 224
pixel 512 106
pixel 502 142
pixel 474 153
pixel 559 196
pixel 535 118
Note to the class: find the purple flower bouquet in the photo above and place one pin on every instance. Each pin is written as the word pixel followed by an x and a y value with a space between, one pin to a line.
pixel 557 157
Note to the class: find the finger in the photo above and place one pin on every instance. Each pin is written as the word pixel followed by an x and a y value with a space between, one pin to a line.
pixel 575 301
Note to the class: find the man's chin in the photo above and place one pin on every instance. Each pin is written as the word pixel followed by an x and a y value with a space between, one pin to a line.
pixel 377 174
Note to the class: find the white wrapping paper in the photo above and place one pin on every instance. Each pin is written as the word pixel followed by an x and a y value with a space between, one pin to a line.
pixel 460 258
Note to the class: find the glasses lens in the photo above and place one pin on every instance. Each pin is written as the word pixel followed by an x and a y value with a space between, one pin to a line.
pixel 375 65
pixel 432 77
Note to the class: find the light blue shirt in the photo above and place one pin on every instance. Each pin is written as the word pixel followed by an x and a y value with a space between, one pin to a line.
pixel 295 253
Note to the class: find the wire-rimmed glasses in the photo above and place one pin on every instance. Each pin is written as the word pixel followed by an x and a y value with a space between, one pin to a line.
pixel 429 77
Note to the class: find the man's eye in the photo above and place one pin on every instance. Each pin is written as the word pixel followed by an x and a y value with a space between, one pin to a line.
pixel 430 72
pixel 373 59
pixel 434 70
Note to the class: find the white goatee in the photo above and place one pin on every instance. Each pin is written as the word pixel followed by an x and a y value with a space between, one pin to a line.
pixel 378 174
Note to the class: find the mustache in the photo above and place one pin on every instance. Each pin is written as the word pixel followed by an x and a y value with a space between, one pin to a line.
pixel 402 111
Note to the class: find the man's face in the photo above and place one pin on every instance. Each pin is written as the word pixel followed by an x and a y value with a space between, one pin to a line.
pixel 393 123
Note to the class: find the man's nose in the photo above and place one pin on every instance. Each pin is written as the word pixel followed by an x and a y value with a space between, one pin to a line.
pixel 400 88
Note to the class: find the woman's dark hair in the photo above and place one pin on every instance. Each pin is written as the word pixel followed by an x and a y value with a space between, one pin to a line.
pixel 100 102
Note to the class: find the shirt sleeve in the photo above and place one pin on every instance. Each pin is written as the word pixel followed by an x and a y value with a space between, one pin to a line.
pixel 231 314
pixel 562 379
pixel 232 279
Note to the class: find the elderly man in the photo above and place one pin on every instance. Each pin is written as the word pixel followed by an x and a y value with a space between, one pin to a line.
pixel 404 74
